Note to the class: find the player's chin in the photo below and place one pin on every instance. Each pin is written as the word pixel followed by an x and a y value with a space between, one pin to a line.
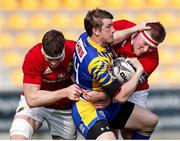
pixel 138 53
pixel 110 41
pixel 54 65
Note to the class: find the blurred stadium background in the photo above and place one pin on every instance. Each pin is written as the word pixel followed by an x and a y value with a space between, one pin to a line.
pixel 23 23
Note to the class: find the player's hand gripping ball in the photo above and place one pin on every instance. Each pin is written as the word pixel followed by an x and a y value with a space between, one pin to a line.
pixel 123 70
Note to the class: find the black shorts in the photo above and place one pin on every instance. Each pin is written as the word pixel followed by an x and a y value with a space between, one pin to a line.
pixel 119 121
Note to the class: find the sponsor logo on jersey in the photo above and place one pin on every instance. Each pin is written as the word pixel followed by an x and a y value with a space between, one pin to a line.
pixel 81 51
pixel 61 75
pixel 47 71
pixel 70 67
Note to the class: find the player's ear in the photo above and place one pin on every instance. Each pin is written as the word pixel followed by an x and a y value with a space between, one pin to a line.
pixel 95 31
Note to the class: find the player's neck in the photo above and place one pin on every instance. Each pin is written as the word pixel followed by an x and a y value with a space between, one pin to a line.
pixel 98 41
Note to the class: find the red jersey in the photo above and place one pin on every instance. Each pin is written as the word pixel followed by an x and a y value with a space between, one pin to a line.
pixel 37 71
pixel 149 61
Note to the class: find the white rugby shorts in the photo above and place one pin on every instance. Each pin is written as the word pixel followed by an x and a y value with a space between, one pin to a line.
pixel 60 122
pixel 139 98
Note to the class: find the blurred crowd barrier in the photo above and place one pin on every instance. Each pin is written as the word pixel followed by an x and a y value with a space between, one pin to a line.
pixel 23 23
pixel 165 103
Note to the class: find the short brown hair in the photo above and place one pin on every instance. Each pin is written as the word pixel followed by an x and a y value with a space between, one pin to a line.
pixel 157 31
pixel 94 19
pixel 53 43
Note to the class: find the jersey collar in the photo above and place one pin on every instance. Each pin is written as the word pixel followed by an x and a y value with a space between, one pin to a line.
pixel 99 48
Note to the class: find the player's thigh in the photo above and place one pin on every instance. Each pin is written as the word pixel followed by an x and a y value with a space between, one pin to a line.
pixel 141 119
pixel 61 124
pixel 90 122
pixel 23 110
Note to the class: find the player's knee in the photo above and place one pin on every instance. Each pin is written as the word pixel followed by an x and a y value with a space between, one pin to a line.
pixel 153 121
pixel 18 137
pixel 21 128
pixel 150 126
pixel 109 135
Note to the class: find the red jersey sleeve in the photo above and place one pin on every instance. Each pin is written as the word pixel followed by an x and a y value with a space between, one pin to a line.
pixel 32 66
pixel 122 24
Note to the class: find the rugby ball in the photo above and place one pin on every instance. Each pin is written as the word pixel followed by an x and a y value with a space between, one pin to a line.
pixel 123 70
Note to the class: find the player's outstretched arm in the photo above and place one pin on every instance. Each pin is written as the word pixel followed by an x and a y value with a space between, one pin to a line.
pixel 36 97
pixel 121 35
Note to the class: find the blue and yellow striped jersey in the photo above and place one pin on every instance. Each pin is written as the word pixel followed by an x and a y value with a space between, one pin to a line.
pixel 92 64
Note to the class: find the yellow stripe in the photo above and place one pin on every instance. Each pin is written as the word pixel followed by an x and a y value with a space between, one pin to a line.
pixel 109 82
pixel 100 81
pixel 86 111
pixel 92 64
pixel 97 62
pixel 99 48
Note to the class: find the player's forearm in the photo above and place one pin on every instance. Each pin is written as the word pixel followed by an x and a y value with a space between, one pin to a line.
pixel 128 88
pixel 102 96
pixel 121 35
pixel 43 98
pixel 94 96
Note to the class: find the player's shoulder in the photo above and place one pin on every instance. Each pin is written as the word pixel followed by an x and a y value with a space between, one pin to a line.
pixel 92 52
pixel 96 57
pixel 84 48
pixel 69 46
pixel 34 52
pixel 86 54
pixel 34 58
pixel 35 48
